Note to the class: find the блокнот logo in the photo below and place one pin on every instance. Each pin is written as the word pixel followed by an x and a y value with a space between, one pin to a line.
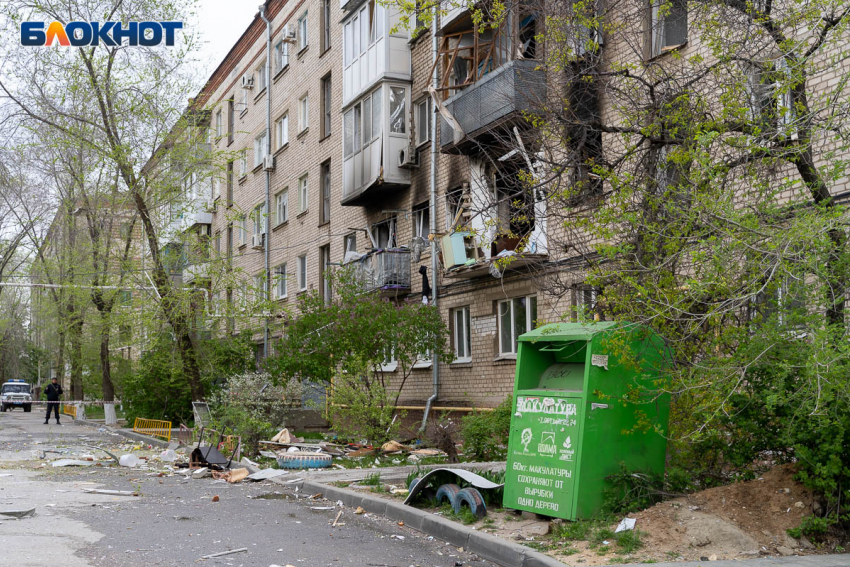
pixel 111 34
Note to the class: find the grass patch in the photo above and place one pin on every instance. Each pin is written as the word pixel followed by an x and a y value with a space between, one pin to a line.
pixel 573 531
pixel 570 550
pixel 373 479
pixel 466 517
pixel 603 550
pixel 341 484
pixel 628 541
pixel 600 535
pixel 536 545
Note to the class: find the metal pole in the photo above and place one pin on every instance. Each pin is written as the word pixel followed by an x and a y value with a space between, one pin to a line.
pixel 432 213
pixel 268 285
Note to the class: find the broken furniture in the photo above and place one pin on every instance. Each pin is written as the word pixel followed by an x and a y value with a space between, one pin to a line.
pixel 209 456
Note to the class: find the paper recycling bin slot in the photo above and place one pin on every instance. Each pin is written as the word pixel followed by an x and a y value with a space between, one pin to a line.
pixel 567 376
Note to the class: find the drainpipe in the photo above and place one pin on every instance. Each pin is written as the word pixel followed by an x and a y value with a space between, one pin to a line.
pixel 432 214
pixel 268 171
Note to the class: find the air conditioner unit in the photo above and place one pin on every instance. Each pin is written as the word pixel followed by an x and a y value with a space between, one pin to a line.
pixel 248 82
pixel 408 158
pixel 289 32
pixel 257 240
pixel 268 163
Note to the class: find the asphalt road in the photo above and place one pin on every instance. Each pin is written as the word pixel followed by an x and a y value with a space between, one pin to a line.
pixel 175 521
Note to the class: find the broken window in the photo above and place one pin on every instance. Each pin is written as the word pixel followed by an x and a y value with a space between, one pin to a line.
pixel 454 208
pixel 669 27
pixel 515 200
pixel 384 234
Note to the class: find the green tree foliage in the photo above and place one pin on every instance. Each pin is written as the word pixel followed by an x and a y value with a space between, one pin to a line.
pixel 346 342
pixel 485 434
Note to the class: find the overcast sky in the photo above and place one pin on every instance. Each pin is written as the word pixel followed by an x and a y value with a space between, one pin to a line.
pixel 222 22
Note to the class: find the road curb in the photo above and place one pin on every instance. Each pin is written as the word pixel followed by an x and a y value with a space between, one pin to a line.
pixel 132 435
pixel 500 551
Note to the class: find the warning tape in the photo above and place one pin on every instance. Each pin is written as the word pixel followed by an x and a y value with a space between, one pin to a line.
pixel 71 402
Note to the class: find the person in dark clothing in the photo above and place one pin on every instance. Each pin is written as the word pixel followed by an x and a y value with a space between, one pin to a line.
pixel 53 391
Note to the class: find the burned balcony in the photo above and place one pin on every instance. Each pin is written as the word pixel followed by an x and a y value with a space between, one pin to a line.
pixel 486 109
pixel 386 271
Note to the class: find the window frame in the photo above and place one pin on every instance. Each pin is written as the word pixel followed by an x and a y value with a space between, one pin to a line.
pixel 281 55
pixel 303 193
pixel 423 228
pixel 325 186
pixel 281 127
pixel 303 113
pixel 465 338
pixel 324 273
pixel 428 103
pixel 280 281
pixel 219 124
pixel 262 78
pixel 303 31
pixel 657 36
pixel 243 162
pixel 529 322
pixel 281 198
pixel 326 25
pixel 261 148
pixel 302 273
pixel 326 105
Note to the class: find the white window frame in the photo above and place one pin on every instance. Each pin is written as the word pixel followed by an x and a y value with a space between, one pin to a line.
pixel 303 30
pixel 403 111
pixel 302 272
pixel 390 364
pixel 281 291
pixel 219 124
pixel 420 227
pixel 243 163
pixel 260 283
pixel 658 28
pixel 529 322
pixel 261 148
pixel 303 193
pixel 243 230
pixel 462 352
pixel 282 130
pixel 259 217
pixel 423 133
pixel 281 55
pixel 303 113
pixel 262 79
pixel 282 206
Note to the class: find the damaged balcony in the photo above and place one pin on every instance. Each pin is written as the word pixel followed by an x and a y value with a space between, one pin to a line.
pixel 485 110
pixel 385 271
pixel 464 257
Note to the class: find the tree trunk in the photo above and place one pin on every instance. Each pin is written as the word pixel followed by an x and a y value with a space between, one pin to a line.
pixel 106 372
pixel 60 361
pixel 76 331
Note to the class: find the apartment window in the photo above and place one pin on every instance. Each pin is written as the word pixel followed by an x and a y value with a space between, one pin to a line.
pixel 280 281
pixel 243 230
pixel 258 216
pixel 326 25
pixel 423 121
pixel 303 113
pixel 243 163
pixel 516 316
pixel 398 115
pixel 262 77
pixel 229 183
pixel 282 206
pixel 326 106
pixel 361 31
pixel 454 205
pixel 421 220
pixel 231 120
pixel 302 194
pixel 261 148
pixel 217 244
pixel 282 130
pixel 461 339
pixel 244 103
pixel 281 55
pixel 771 102
pixel 384 234
pixel 585 302
pixel 302 272
pixel 219 123
pixel 229 241
pixel 362 124
pixel 325 271
pixel 326 192
pixel 669 25
pixel 302 32
pixel 349 243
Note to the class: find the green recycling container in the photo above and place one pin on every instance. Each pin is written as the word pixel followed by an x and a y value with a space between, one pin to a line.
pixel 585 401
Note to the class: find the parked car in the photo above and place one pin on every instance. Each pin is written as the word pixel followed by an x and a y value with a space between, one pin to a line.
pixel 16 393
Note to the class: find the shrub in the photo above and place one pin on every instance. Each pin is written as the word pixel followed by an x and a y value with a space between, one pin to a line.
pixel 485 434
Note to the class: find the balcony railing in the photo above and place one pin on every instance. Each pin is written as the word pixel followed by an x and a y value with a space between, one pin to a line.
pixel 387 271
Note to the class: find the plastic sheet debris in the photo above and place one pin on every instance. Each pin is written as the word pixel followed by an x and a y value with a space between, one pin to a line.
pixel 232 476
pixel 168 456
pixel 129 461
pixel 110 492
pixel 22 513
pixel 266 474
pixel 221 553
pixel 201 473
pixel 625 525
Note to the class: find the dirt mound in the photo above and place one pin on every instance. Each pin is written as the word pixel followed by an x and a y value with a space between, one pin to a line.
pixel 738 520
